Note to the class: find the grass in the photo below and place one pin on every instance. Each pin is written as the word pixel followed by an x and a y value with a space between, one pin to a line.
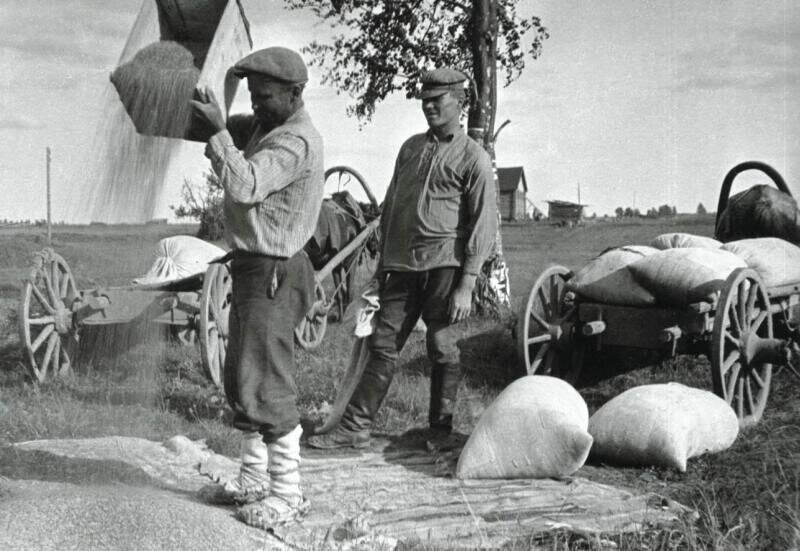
pixel 747 497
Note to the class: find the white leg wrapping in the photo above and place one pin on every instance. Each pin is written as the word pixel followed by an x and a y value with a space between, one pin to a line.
pixel 254 451
pixel 284 467
pixel 253 472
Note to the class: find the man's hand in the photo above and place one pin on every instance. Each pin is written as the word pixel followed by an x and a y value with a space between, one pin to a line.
pixel 207 117
pixel 461 299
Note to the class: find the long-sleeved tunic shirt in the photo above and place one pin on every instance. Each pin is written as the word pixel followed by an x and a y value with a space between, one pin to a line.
pixel 273 183
pixel 440 208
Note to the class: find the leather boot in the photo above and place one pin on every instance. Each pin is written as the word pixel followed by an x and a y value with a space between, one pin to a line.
pixel 252 483
pixel 368 396
pixel 353 429
pixel 445 380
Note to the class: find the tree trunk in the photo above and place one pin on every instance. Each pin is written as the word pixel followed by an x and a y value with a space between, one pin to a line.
pixel 484 29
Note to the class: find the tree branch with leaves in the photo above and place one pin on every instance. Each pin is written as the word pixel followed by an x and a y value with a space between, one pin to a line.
pixel 381 47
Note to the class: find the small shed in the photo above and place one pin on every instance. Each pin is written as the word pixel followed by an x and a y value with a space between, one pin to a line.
pixel 564 213
pixel 513 187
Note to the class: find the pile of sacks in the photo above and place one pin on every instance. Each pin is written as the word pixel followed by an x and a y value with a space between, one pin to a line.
pixel 677 269
pixel 539 427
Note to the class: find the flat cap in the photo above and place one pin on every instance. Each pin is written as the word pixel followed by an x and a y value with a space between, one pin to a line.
pixel 442 80
pixel 276 62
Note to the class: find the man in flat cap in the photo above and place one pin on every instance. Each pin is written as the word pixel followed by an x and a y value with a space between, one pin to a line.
pixel 271 169
pixel 437 228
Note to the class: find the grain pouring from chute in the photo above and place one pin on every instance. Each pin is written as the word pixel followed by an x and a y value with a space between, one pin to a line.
pixel 174 47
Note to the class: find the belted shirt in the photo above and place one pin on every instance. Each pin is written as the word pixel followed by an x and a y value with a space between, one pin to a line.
pixel 273 183
pixel 440 208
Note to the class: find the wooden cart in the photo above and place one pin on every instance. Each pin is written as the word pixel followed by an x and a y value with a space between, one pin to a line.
pixel 52 310
pixel 744 332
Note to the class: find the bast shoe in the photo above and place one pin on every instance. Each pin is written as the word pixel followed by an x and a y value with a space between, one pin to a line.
pixel 339 438
pixel 273 512
pixel 247 487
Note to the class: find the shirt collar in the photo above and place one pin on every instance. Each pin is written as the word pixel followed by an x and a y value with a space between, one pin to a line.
pixel 299 115
pixel 450 138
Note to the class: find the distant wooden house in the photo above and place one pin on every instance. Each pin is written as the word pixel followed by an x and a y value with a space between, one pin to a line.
pixel 564 213
pixel 513 187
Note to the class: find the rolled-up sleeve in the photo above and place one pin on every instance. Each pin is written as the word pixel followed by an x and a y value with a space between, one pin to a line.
pixel 482 211
pixel 249 181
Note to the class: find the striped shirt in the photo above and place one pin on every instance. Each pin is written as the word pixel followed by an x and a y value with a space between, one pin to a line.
pixel 440 208
pixel 273 183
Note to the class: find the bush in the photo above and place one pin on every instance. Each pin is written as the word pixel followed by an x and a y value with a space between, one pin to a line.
pixel 204 204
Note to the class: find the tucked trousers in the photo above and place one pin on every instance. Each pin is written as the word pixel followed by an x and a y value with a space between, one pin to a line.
pixel 270 297
pixel 404 297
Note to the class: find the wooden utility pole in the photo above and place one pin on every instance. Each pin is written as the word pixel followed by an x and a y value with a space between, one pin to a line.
pixel 49 232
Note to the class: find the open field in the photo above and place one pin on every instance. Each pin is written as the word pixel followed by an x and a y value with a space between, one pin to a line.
pixel 748 497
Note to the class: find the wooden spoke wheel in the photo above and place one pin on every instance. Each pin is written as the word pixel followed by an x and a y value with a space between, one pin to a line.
pixel 215 307
pixel 47 330
pixel 547 343
pixel 343 177
pixel 741 323
pixel 309 332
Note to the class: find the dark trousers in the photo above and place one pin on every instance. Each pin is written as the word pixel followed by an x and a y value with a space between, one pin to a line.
pixel 270 297
pixel 404 297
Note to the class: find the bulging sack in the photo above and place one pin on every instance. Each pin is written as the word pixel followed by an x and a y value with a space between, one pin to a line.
pixel 682 240
pixel 679 277
pixel 607 279
pixel 662 425
pixel 535 428
pixel 776 261
pixel 761 211
pixel 178 257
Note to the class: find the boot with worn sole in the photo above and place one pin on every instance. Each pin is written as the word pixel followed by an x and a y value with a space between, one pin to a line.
pixel 339 438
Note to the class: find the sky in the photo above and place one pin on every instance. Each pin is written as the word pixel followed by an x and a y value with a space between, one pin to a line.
pixel 631 103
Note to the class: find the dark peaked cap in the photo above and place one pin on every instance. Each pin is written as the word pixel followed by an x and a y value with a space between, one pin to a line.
pixel 276 62
pixel 442 80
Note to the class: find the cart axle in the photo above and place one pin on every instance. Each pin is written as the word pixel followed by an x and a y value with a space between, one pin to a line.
pixel 756 350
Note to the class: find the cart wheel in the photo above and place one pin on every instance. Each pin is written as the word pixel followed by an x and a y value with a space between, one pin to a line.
pixel 742 317
pixel 215 306
pixel 311 329
pixel 344 176
pixel 46 328
pixel 546 341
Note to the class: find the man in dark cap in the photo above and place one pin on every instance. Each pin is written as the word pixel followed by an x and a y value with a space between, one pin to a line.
pixel 437 228
pixel 271 169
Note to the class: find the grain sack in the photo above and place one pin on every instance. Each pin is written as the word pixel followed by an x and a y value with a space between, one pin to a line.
pixel 156 86
pixel 776 261
pixel 535 428
pixel 678 277
pixel 178 257
pixel 761 211
pixel 662 425
pixel 607 279
pixel 681 240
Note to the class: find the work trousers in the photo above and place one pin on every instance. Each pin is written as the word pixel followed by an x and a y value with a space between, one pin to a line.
pixel 404 297
pixel 270 297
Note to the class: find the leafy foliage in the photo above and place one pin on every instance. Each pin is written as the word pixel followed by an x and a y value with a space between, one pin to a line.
pixel 385 45
pixel 204 204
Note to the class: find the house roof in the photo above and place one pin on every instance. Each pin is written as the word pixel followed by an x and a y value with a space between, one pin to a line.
pixel 557 203
pixel 509 178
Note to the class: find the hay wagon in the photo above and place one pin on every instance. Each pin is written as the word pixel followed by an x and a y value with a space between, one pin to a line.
pixel 745 331
pixel 52 310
